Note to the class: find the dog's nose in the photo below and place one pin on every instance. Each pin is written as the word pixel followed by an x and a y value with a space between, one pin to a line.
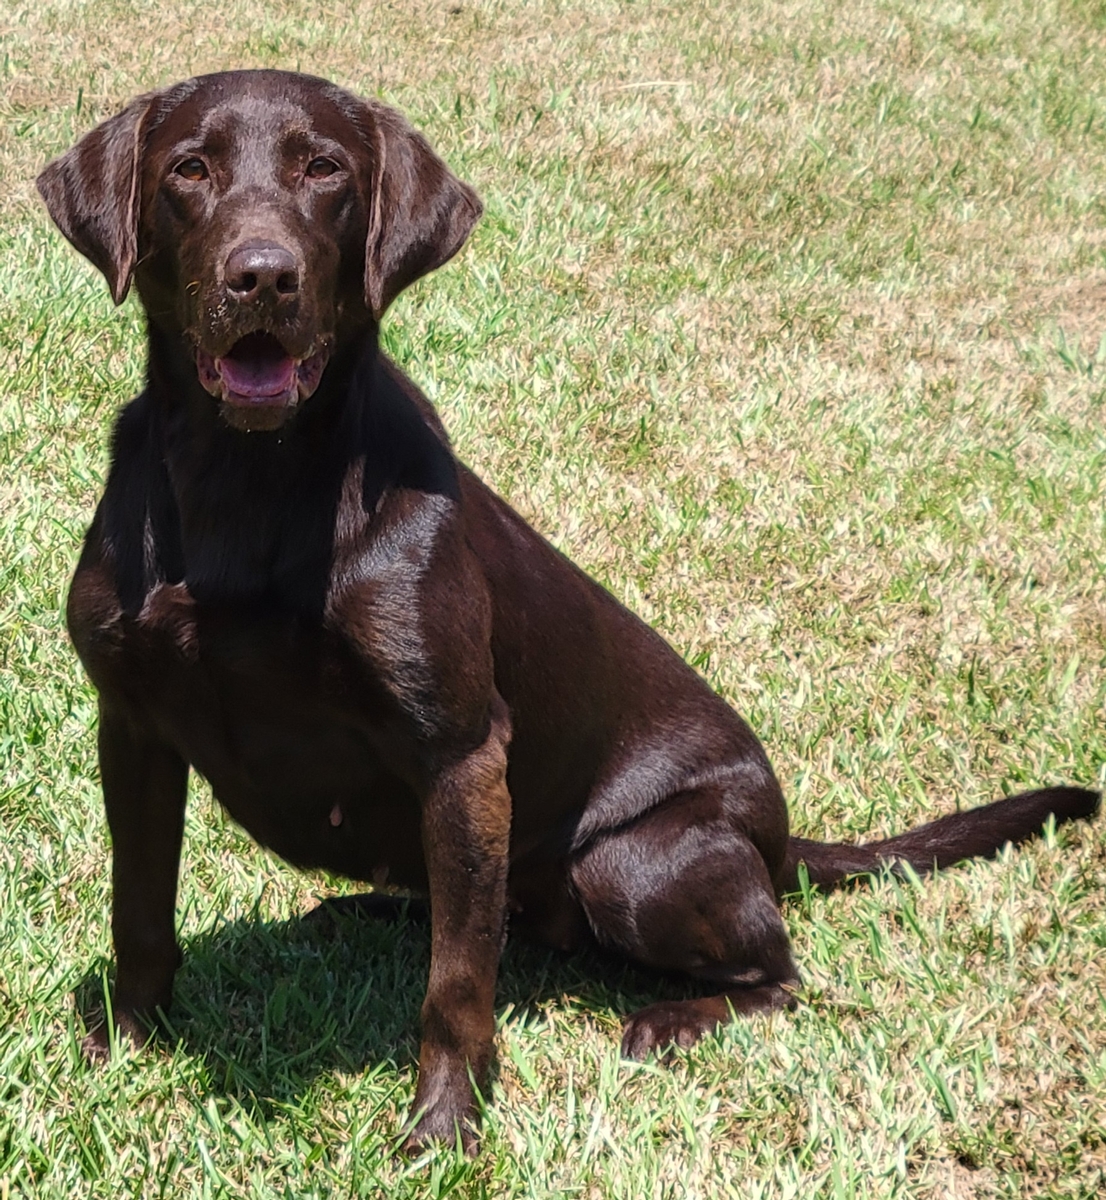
pixel 261 269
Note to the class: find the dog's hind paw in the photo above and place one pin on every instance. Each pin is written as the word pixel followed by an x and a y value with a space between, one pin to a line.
pixel 679 1024
pixel 375 906
pixel 662 1028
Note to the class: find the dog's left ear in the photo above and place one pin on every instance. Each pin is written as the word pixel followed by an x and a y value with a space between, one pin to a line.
pixel 420 214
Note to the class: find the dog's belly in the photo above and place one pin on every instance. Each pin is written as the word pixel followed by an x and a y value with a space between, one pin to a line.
pixel 311 790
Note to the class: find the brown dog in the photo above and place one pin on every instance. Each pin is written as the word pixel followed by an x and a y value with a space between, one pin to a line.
pixel 293 586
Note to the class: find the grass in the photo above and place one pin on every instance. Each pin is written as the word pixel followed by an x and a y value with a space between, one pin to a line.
pixel 786 320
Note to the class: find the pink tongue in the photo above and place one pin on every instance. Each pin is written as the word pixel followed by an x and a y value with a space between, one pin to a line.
pixel 257 373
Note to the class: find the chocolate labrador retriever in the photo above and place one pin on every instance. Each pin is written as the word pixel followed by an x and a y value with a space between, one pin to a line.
pixel 293 586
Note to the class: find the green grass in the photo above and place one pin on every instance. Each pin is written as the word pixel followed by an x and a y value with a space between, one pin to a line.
pixel 786 320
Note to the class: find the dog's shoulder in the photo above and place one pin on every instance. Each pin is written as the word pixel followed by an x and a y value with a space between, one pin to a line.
pixel 401 506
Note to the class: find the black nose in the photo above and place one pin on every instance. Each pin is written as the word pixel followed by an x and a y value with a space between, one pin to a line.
pixel 261 269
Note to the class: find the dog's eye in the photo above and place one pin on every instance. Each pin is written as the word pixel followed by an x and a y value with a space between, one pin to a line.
pixel 192 169
pixel 320 168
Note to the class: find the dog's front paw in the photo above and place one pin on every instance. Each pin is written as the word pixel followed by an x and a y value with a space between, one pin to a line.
pixel 443 1129
pixel 426 1136
pixel 97 1046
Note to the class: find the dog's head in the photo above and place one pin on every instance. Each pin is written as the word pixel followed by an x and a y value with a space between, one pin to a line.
pixel 264 216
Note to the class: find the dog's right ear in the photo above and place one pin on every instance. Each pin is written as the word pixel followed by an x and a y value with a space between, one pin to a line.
pixel 92 192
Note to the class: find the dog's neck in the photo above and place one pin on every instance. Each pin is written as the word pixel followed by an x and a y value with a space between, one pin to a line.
pixel 249 517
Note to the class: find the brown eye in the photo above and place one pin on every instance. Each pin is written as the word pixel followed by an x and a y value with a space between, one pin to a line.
pixel 192 169
pixel 320 168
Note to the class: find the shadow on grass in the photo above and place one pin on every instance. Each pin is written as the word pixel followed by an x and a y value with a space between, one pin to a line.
pixel 269 1006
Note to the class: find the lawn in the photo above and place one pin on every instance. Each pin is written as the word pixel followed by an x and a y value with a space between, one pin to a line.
pixel 788 322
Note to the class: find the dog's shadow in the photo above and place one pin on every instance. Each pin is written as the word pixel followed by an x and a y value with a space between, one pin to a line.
pixel 269 1006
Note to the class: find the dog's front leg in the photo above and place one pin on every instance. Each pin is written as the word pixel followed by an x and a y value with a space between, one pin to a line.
pixel 145 785
pixel 466 830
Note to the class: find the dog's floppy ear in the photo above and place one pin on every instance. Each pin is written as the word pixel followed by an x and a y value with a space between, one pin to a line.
pixel 420 212
pixel 92 194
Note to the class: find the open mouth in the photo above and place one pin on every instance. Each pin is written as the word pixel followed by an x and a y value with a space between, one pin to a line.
pixel 258 376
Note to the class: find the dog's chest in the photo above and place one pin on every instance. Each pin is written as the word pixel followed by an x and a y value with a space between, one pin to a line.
pixel 284 722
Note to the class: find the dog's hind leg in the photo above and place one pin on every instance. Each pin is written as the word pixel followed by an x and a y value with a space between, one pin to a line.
pixel 681 889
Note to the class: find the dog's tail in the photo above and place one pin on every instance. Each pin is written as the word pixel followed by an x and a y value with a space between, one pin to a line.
pixel 977 833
